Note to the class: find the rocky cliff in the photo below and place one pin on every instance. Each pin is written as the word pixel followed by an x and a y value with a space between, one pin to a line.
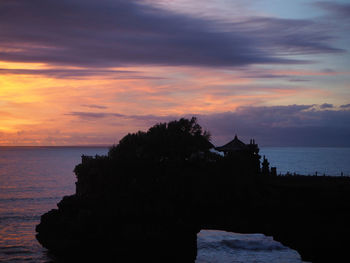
pixel 151 195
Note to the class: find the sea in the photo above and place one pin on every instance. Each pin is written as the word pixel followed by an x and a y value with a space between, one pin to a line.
pixel 34 179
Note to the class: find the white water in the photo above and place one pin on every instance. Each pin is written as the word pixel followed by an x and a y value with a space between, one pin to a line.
pixel 216 246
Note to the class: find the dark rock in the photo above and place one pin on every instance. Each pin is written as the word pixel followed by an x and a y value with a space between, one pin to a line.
pixel 148 199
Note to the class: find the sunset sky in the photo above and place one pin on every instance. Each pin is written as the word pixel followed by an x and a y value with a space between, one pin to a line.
pixel 87 72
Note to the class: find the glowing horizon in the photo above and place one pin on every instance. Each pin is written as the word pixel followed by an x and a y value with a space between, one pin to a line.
pixel 74 80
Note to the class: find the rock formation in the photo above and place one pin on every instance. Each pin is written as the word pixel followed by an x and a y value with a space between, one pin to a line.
pixel 148 199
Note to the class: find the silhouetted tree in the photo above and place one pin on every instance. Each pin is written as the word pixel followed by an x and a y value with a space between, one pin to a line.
pixel 176 140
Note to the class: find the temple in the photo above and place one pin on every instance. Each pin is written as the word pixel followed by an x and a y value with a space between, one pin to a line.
pixel 242 155
pixel 237 146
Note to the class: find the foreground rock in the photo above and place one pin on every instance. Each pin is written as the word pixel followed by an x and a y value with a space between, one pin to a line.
pixel 148 199
pixel 308 214
pixel 84 230
pixel 133 205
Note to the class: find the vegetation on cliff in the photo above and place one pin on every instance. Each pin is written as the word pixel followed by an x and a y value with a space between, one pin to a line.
pixel 176 140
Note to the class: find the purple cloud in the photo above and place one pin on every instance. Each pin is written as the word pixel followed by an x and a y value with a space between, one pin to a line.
pixel 299 80
pixel 94 106
pixel 93 115
pixel 146 120
pixel 326 106
pixel 338 10
pixel 294 125
pixel 94 33
pixel 345 106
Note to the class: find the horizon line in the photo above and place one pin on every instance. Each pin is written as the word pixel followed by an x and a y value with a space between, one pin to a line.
pixel 108 146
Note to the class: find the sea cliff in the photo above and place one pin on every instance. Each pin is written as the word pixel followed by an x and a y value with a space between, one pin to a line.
pixel 150 196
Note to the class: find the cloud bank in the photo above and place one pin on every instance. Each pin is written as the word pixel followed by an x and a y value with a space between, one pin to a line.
pixel 293 125
pixel 94 33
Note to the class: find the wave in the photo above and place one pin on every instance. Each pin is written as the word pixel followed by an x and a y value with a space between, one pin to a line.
pixel 241 244
pixel 252 245
pixel 221 240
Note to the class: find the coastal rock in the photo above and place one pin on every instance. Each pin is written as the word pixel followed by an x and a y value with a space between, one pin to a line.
pixel 148 199
pixel 90 230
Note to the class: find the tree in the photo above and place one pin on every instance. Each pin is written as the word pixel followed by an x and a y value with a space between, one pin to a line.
pixel 177 139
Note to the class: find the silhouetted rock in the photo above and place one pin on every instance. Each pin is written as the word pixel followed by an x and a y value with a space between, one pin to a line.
pixel 135 203
pixel 148 199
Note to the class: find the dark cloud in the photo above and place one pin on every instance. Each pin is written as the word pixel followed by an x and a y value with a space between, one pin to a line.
pixel 78 73
pixel 288 74
pixel 345 106
pixel 326 106
pixel 126 32
pixel 289 36
pixel 299 80
pixel 264 76
pixel 338 10
pixel 147 120
pixel 94 106
pixel 93 115
pixel 295 125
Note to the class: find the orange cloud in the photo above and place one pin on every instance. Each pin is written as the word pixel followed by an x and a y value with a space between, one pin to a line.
pixel 36 108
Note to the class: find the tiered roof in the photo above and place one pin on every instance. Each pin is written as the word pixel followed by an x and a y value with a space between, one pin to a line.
pixel 232 146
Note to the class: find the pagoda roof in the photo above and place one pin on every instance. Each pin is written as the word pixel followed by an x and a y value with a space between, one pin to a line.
pixel 232 146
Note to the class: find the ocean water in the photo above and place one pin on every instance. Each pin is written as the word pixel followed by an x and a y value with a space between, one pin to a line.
pixel 309 160
pixel 34 179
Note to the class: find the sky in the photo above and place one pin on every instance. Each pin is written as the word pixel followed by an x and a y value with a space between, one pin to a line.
pixel 87 72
